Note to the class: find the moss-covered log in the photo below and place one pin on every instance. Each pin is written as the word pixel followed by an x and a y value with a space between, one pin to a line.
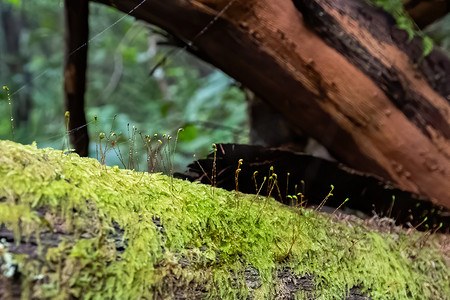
pixel 72 228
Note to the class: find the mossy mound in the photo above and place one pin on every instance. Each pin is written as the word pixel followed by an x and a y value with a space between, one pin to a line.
pixel 72 228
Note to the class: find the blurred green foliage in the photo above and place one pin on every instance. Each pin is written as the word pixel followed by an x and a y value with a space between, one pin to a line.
pixel 182 93
pixel 440 33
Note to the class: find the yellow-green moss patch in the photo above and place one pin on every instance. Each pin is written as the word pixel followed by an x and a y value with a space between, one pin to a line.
pixel 103 233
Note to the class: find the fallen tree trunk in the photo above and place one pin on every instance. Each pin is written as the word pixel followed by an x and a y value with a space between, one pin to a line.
pixel 339 71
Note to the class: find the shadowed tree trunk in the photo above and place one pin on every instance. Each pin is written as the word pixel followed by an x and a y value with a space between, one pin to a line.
pixel 77 32
pixel 340 71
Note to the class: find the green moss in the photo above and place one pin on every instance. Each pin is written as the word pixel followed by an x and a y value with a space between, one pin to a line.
pixel 126 235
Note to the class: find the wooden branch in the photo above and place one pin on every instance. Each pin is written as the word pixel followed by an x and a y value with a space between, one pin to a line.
pixel 75 61
pixel 361 87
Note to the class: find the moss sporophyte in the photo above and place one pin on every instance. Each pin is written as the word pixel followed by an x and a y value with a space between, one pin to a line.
pixel 92 231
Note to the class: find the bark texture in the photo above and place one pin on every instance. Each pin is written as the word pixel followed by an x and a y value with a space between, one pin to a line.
pixel 75 62
pixel 339 71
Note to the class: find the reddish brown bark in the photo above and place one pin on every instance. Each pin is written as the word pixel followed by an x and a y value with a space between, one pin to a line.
pixel 76 37
pixel 338 70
